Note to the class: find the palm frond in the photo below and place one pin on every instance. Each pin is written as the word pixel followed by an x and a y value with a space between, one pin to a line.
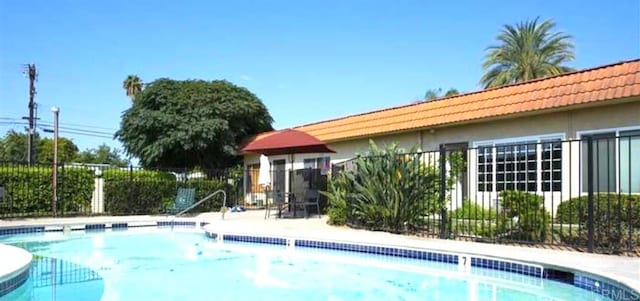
pixel 526 51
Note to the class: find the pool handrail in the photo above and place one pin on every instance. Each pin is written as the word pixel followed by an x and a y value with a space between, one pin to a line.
pixel 224 203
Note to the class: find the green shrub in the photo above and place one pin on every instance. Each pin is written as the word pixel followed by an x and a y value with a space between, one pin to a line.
pixel 29 190
pixel 138 192
pixel 75 190
pixel 152 192
pixel 206 187
pixel 481 229
pixel 472 219
pixel 625 207
pixel 523 216
pixel 616 220
pixel 473 211
pixel 392 191
pixel 336 194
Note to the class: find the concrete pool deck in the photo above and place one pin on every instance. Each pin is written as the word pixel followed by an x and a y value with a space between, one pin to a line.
pixel 623 269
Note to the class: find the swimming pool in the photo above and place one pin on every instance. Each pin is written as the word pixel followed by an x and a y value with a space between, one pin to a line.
pixel 186 264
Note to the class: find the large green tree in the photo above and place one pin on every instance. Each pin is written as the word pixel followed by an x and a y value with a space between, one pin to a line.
pixel 13 148
pixel 67 150
pixel 132 85
pixel 102 155
pixel 191 123
pixel 526 51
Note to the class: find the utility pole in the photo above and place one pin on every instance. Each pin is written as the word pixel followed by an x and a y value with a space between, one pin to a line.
pixel 31 71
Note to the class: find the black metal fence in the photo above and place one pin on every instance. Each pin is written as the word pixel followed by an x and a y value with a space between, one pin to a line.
pixel 27 191
pixel 294 182
pixel 579 193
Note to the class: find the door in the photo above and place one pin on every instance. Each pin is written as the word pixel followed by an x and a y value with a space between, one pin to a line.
pixel 279 177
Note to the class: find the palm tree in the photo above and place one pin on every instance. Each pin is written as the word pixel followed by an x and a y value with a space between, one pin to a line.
pixel 437 93
pixel 451 92
pixel 527 51
pixel 432 94
pixel 132 84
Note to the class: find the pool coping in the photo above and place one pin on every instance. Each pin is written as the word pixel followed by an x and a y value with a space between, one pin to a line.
pixel 14 268
pixel 587 277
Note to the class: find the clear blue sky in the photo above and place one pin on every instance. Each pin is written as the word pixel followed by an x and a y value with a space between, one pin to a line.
pixel 307 60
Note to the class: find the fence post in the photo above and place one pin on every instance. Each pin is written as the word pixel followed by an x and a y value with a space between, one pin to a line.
pixel 590 222
pixel 443 192
pixel 54 189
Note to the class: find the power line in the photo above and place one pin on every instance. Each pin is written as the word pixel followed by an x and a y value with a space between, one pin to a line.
pixel 71 132
pixel 84 125
pixel 82 130
pixel 86 134
pixel 75 125
pixel 13 123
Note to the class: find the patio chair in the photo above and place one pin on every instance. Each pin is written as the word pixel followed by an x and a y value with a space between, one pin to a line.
pixel 277 201
pixel 311 198
pixel 184 199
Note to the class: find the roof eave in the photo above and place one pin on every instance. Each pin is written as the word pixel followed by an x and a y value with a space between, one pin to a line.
pixel 599 103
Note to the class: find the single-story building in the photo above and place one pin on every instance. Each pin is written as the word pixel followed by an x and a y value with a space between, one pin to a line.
pixel 528 136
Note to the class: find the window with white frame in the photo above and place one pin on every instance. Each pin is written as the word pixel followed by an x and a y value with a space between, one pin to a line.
pixel 313 163
pixel 551 170
pixel 321 163
pixel 615 160
pixel 485 168
pixel 523 164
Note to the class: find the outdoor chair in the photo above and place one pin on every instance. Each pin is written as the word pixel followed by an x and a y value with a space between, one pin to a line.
pixel 311 198
pixel 277 201
pixel 184 199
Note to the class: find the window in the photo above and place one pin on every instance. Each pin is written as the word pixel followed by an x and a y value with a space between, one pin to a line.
pixel 603 159
pixel 322 163
pixel 252 178
pixel 614 166
pixel 630 165
pixel 485 168
pixel 551 165
pixel 516 167
pixel 528 165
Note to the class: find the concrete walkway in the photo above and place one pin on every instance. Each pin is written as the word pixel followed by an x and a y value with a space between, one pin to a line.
pixel 623 269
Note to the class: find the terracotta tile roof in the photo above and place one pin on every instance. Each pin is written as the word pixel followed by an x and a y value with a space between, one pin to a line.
pixel 590 86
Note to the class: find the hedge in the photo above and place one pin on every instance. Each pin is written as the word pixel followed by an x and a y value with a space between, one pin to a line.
pixel 28 190
pixel 623 207
pixel 522 217
pixel 616 220
pixel 151 192
pixel 137 192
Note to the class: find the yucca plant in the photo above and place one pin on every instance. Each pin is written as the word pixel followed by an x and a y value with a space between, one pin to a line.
pixel 392 191
pixel 336 195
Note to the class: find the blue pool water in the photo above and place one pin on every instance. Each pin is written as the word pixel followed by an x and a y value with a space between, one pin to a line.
pixel 186 265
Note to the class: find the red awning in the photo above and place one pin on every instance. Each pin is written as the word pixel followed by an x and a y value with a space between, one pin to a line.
pixel 287 142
